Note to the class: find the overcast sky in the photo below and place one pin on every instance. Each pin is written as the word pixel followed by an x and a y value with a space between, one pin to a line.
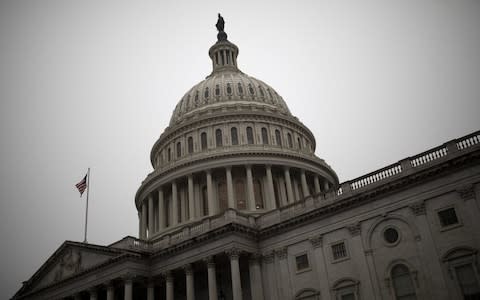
pixel 93 84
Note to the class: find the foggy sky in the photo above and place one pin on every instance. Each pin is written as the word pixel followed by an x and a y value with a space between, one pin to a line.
pixel 93 84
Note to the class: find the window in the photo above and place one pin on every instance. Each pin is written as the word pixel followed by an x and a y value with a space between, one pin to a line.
pixel 264 136
pixel 249 135
pixel 203 138
pixel 206 93
pixel 240 89
pixel 240 194
pixel 196 97
pixel 169 154
pixel 222 196
pixel 251 90
pixel 390 235
pixel 205 201
pixel 278 137
pixel 448 217
pixel 229 89
pixel 218 138
pixel 299 143
pixel 179 149
pixel 468 282
pixel 261 91
pixel 403 283
pixel 217 90
pixel 234 135
pixel 339 251
pixel 289 139
pixel 190 144
pixel 258 194
pixel 302 262
pixel 346 289
pixel 461 264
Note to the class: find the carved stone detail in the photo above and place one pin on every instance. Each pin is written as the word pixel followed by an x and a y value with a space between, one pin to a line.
pixel 418 208
pixel 210 261
pixel 317 241
pixel 233 253
pixel 466 192
pixel 268 257
pixel 354 229
pixel 281 252
pixel 254 258
pixel 188 269
pixel 70 263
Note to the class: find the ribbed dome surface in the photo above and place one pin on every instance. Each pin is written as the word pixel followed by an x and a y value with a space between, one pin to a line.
pixel 224 88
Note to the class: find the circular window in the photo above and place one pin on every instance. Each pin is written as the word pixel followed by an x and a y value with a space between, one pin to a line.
pixel 390 235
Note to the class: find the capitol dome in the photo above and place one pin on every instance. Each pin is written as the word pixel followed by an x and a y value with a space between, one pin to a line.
pixel 231 144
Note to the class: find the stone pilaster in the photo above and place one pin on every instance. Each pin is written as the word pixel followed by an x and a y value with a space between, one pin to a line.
pixel 189 282
pixel 212 278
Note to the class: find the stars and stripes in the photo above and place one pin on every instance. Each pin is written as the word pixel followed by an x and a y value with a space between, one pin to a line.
pixel 82 185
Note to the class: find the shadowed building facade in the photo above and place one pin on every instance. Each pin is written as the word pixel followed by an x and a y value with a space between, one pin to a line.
pixel 239 207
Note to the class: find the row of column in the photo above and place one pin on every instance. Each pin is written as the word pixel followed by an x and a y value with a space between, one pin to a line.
pixel 254 272
pixel 148 207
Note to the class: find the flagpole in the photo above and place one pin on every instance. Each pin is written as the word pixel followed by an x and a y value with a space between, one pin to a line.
pixel 86 210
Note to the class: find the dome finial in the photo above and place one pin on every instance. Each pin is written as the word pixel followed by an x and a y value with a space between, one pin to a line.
pixel 221 36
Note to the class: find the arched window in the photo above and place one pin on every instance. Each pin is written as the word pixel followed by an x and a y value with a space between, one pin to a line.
pixel 240 89
pixel 403 283
pixel 249 135
pixel 299 143
pixel 261 91
pixel 234 135
pixel 169 154
pixel 179 149
pixel 217 90
pixel 264 136
pixel 222 196
pixel 218 138
pixel 462 262
pixel 257 191
pixel 278 137
pixel 290 142
pixel 190 144
pixel 206 93
pixel 229 89
pixel 203 140
pixel 250 89
pixel 240 194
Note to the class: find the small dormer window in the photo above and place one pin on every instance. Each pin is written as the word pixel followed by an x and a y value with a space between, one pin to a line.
pixel 196 97
pixel 217 90
pixel 270 94
pixel 251 90
pixel 206 93
pixel 228 57
pixel 240 89
pixel 229 89
pixel 261 91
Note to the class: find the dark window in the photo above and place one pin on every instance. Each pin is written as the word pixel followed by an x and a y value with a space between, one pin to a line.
pixel 228 56
pixel 218 137
pixel 249 135
pixel 169 154
pixel 216 57
pixel 299 143
pixel 240 194
pixel 251 90
pixel 234 134
pixel 203 140
pixel 339 251
pixel 278 137
pixel 190 144
pixel 264 136
pixel 448 217
pixel 290 142
pixel 258 193
pixel 348 296
pixel 468 282
pixel 205 201
pixel 402 283
pixel 221 56
pixel 240 89
pixel 217 90
pixel 222 196
pixel 302 262
pixel 179 149
pixel 229 89
pixel 196 97
pixel 261 91
pixel 206 92
pixel 390 235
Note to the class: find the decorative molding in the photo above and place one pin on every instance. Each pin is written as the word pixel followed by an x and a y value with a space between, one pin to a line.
pixel 233 253
pixel 255 258
pixel 281 253
pixel 317 241
pixel 188 269
pixel 354 229
pixel 466 192
pixel 368 252
pixel 210 261
pixel 418 208
pixel 269 257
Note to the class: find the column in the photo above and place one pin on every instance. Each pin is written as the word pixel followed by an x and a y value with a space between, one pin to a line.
pixel 150 290
pixel 169 285
pixel 93 294
pixel 316 183
pixel 191 203
pixel 296 192
pixel 231 201
pixel 110 291
pixel 161 210
pixel 128 289
pixel 211 204
pixel 303 179
pixel 144 221
pixel 151 218
pixel 189 282
pixel 288 184
pixel 183 205
pixel 325 185
pixel 271 191
pixel 212 280
pixel 250 195
pixel 283 191
pixel 174 204
pixel 256 285
pixel 235 269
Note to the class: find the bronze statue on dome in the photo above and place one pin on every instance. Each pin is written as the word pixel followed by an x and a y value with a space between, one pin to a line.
pixel 220 23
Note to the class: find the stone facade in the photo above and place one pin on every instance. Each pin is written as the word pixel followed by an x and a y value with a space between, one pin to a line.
pixel 239 207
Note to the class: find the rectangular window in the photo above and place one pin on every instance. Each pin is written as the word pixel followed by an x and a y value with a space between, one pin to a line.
pixel 448 217
pixel 302 262
pixel 339 251
pixel 468 281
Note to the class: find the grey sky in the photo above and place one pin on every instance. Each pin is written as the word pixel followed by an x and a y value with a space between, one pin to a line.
pixel 93 84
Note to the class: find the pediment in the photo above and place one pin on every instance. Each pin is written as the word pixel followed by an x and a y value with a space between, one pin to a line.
pixel 70 259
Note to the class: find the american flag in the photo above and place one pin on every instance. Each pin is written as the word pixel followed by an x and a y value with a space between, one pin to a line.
pixel 82 185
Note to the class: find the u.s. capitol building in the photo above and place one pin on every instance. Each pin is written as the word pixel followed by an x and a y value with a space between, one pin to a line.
pixel 238 206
